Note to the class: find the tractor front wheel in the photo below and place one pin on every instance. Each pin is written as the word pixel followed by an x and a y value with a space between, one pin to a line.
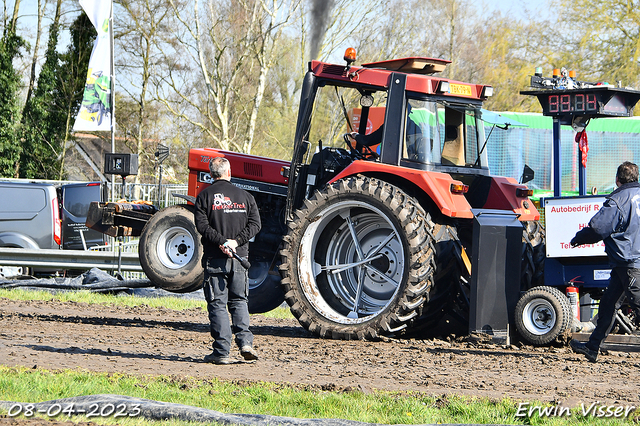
pixel 170 250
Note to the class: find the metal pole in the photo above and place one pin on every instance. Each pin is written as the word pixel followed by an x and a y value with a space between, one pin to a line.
pixel 120 237
pixel 557 163
pixel 582 175
pixel 120 255
pixel 113 100
pixel 160 183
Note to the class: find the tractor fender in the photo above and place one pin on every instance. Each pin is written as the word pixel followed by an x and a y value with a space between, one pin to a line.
pixel 436 185
pixel 502 196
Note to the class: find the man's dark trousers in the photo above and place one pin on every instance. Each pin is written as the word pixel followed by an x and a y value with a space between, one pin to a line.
pixel 623 281
pixel 232 289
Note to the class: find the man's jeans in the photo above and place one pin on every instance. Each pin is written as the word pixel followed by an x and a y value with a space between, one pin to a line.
pixel 226 284
pixel 623 281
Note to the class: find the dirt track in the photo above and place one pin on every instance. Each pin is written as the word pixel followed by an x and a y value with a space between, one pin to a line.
pixel 146 341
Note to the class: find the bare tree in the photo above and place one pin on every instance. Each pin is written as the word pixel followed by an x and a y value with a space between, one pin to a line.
pixel 322 31
pixel 34 60
pixel 601 39
pixel 218 58
pixel 276 17
pixel 11 24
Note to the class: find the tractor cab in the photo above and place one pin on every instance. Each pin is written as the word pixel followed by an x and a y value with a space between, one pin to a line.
pixel 392 113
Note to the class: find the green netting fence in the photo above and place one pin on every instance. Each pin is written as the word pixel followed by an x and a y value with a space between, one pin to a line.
pixel 611 141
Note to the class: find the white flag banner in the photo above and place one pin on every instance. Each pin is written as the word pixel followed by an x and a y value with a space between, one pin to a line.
pixel 96 109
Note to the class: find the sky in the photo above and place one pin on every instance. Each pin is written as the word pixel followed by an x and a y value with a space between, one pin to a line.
pixel 515 7
pixel 521 9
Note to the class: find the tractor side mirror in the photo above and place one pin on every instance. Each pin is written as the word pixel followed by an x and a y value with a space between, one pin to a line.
pixel 527 174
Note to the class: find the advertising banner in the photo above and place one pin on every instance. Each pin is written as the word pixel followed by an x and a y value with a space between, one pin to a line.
pixel 566 216
pixel 96 109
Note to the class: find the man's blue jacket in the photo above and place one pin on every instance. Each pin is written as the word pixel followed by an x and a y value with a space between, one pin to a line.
pixel 617 223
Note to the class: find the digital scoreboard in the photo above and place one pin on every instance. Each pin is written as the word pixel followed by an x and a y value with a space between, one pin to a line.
pixel 574 103
pixel 597 101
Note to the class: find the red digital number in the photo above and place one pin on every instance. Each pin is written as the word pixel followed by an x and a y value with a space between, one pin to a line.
pixel 579 102
pixel 565 103
pixel 591 102
pixel 554 105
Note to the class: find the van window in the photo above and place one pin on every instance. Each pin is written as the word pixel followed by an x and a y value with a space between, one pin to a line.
pixel 77 202
pixel 22 199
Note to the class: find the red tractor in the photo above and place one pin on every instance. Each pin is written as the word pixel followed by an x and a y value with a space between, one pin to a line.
pixel 370 234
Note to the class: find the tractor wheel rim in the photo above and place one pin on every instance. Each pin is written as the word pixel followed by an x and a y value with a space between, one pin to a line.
pixel 378 240
pixel 380 273
pixel 257 273
pixel 539 317
pixel 176 247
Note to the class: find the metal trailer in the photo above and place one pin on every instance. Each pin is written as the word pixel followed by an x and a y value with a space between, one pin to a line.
pixel 581 273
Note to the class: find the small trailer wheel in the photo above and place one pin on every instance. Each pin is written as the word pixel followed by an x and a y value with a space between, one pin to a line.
pixel 542 315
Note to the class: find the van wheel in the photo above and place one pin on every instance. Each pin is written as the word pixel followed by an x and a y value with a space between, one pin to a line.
pixel 170 250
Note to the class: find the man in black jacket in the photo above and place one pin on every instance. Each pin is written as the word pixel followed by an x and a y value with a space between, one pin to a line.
pixel 617 224
pixel 227 217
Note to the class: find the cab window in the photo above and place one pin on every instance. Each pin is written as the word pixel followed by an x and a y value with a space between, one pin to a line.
pixel 453 152
pixel 422 136
pixel 462 132
pixel 333 107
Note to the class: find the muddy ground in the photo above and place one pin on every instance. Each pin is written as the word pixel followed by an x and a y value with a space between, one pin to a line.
pixel 148 341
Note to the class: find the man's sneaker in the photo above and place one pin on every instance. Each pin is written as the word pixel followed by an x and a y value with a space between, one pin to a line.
pixel 248 353
pixel 217 359
pixel 581 348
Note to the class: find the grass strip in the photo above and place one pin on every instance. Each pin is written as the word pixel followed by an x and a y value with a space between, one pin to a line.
pixel 29 385
pixel 173 303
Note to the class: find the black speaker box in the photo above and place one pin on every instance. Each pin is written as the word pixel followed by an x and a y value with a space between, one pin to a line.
pixel 120 164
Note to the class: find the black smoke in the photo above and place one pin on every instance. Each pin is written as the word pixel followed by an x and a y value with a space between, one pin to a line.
pixel 320 12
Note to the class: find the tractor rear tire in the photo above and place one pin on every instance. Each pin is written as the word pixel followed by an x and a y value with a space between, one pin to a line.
pixel 543 315
pixel 447 308
pixel 265 291
pixel 358 232
pixel 533 256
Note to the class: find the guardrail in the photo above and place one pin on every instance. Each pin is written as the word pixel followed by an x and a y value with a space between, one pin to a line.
pixel 161 196
pixel 127 245
pixel 69 259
